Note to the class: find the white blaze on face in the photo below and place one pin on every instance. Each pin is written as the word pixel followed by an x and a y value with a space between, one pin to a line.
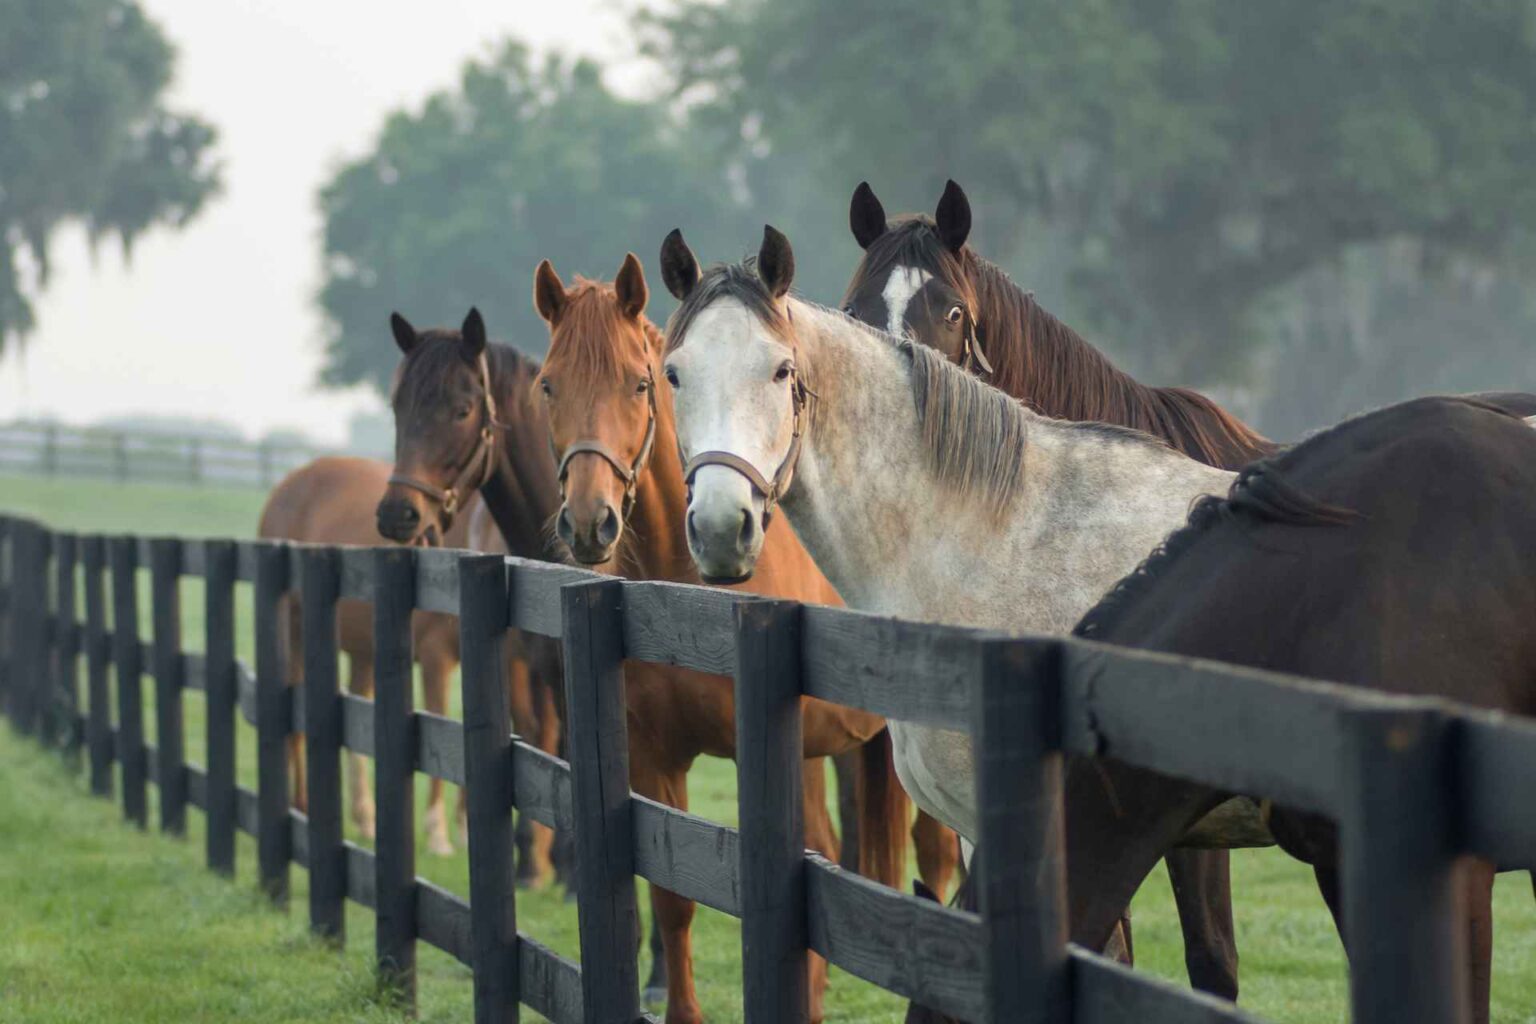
pixel 903 284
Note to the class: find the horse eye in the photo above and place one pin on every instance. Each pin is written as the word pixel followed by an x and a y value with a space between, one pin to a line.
pixel 461 412
pixel 642 387
pixel 544 387
pixel 672 378
pixel 954 315
pixel 783 372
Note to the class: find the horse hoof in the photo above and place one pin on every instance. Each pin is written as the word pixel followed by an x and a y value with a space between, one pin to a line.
pixel 439 846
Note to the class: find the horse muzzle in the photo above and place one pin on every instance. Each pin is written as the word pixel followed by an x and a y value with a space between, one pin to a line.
pixel 725 534
pixel 591 538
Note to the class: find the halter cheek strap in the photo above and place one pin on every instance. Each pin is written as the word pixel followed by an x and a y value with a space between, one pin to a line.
pixel 629 473
pixel 772 490
pixel 478 467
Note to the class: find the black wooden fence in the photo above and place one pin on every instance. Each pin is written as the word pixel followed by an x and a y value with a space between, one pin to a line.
pixel 1413 784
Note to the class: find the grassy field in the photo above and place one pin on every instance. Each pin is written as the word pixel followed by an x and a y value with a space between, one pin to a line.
pixel 101 916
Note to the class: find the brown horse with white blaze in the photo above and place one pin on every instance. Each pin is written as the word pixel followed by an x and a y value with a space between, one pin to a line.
pixel 623 510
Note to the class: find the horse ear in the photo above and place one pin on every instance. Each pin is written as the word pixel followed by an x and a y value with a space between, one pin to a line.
pixel 405 335
pixel 679 268
pixel 472 334
pixel 548 293
pixel 776 262
pixel 953 217
pixel 630 287
pixel 866 216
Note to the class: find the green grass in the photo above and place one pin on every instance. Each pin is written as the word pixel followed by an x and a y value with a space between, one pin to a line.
pixel 102 918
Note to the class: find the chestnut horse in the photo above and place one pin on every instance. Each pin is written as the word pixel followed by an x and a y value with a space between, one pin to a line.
pixel 918 278
pixel 331 501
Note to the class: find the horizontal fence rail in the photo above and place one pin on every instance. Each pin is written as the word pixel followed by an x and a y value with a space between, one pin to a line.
pixel 50 449
pixel 1413 784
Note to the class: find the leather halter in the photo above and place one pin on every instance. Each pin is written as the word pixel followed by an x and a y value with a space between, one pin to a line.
pixel 478 468
pixel 771 490
pixel 630 473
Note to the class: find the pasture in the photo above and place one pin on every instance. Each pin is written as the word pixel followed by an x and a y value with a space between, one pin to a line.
pixel 68 860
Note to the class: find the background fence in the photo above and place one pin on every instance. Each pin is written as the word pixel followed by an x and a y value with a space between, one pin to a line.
pixel 50 449
pixel 1413 784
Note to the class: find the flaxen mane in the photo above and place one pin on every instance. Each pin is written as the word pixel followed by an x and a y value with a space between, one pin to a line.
pixel 1042 361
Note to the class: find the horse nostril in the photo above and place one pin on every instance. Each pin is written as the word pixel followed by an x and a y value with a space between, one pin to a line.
pixel 608 527
pixel 693 533
pixel 748 529
pixel 564 528
pixel 409 516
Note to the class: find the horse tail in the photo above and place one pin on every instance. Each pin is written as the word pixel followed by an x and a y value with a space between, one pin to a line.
pixel 883 812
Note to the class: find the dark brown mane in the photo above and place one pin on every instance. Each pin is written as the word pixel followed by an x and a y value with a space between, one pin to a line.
pixel 1044 363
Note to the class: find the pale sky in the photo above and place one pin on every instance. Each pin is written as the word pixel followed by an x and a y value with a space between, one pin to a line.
pixel 219 320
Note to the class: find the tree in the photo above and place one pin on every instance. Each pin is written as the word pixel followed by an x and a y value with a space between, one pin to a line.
pixel 458 203
pixel 85 137
pixel 1180 159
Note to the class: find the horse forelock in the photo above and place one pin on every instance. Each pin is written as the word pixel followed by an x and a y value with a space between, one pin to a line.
pixel 589 340
pixel 738 281
pixel 430 376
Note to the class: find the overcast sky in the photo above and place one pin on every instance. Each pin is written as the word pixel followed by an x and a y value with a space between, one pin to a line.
pixel 220 320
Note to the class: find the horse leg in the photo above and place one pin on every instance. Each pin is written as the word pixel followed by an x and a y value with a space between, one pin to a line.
pixel 1477 886
pixel 673 913
pixel 534 870
pixel 1202 890
pixel 938 853
pixel 436 667
pixel 655 988
pixel 360 684
pixel 290 639
pixel 819 836
pixel 561 856
pixel 847 766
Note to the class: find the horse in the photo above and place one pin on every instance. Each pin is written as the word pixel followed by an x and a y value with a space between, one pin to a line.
pixel 1423 583
pixel 918 277
pixel 610 427
pixel 330 501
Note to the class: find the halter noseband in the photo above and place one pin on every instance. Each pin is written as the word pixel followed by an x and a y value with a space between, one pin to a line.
pixel 630 474
pixel 772 491
pixel 478 468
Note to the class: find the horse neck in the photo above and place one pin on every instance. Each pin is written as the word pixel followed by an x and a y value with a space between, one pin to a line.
pixel 522 495
pixel 1042 361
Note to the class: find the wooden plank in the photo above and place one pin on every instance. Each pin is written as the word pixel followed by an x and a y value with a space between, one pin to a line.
pixel 194 672
pixel 683 853
pixel 1020 875
pixel 770 806
pixel 221 686
pixel 298 837
pixel 439 747
pixel 913 672
pixel 273 842
pixel 1407 960
pixel 362 869
pixel 444 922
pixel 99 738
pixel 437 580
pixel 394 750
pixel 1104 992
pixel 322 744
pixel 29 667
pixel 357 721
pixel 246 816
pixel 197 785
pixel 536 593
pixel 247 557
pixel 245 687
pixel 541 786
pixel 1497 819
pixel 165 567
pixel 356 566
pixel 130 683
pixel 65 706
pixel 194 556
pixel 488 769
pixel 915 948
pixel 593 643
pixel 141 550
pixel 678 624
pixel 551 983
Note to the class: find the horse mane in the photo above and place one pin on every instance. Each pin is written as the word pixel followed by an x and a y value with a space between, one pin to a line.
pixel 738 281
pixel 1047 364
pixel 591 318
pixel 424 378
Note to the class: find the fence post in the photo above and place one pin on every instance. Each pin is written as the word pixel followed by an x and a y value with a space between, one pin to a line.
pixel 98 723
pixel 274 838
pixel 769 752
pixel 222 696
pixel 130 682
pixel 483 611
pixel 65 705
pixel 322 744
pixel 165 570
pixel 394 776
pixel 593 644
pixel 1021 880
pixel 1407 945
pixel 29 650
pixel 120 454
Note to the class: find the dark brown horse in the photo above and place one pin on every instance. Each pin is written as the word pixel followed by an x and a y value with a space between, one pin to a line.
pixel 918 276
pixel 1427 588
pixel 624 510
